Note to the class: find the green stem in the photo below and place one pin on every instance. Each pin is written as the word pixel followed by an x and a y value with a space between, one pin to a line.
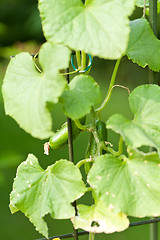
pixel 113 78
pixel 71 156
pixel 82 162
pixel 64 74
pixel 120 148
pixel 36 64
pixel 108 149
pixel 154 231
pixel 95 134
pixel 99 148
pixel 144 9
pixel 93 115
pixel 153 78
pixel 80 126
pixel 153 15
pixel 39 70
pixel 83 63
pixel 91 236
pixel 78 57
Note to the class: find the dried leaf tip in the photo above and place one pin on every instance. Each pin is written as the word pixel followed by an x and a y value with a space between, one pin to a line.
pixel 46 151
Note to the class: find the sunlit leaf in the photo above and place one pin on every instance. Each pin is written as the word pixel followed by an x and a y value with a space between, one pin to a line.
pixel 98 218
pixel 131 186
pixel 27 92
pixel 144 129
pixel 37 192
pixel 143 47
pixel 99 28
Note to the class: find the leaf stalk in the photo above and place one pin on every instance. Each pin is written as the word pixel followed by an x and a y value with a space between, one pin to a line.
pixel 82 162
pixel 113 78
pixel 91 236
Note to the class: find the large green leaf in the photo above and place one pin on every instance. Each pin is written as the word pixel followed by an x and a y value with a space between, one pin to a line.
pixel 131 186
pixel 37 192
pixel 143 47
pixel 98 218
pixel 82 94
pixel 144 129
pixel 27 92
pixel 99 28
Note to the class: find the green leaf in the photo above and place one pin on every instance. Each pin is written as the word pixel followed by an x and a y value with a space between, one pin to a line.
pixel 98 218
pixel 99 28
pixel 82 94
pixel 143 47
pixel 144 129
pixel 131 186
pixel 27 92
pixel 37 192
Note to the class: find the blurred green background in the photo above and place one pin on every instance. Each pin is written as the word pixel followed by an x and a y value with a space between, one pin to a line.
pixel 20 30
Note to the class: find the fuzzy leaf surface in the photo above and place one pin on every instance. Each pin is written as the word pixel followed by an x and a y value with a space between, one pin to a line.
pixel 143 47
pixel 27 92
pixel 37 192
pixel 144 129
pixel 82 94
pixel 131 186
pixel 107 220
pixel 100 28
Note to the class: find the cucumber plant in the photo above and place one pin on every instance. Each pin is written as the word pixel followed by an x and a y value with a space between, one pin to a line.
pixel 121 184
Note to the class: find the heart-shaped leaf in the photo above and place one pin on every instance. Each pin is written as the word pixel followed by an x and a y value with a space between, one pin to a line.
pixel 82 94
pixel 98 218
pixel 143 47
pixel 27 92
pixel 131 186
pixel 37 192
pixel 144 129
pixel 99 28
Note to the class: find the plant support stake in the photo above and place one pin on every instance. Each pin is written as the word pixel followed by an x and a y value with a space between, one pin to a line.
pixel 71 157
pixel 153 79
pixel 153 76
pixel 133 224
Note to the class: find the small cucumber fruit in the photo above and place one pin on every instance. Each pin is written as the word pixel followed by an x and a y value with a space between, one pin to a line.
pixel 92 145
pixel 102 131
pixel 60 138
pixel 91 151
